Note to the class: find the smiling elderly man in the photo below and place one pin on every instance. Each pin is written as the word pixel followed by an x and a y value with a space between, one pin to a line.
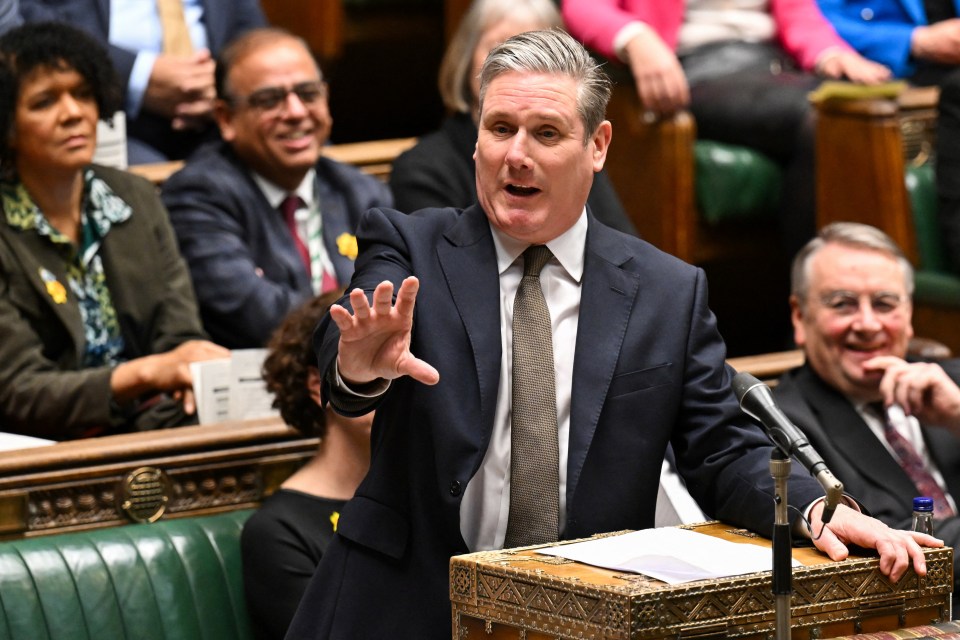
pixel 887 428
pixel 262 219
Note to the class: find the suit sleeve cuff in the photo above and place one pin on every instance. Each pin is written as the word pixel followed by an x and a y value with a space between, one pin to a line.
pixel 353 401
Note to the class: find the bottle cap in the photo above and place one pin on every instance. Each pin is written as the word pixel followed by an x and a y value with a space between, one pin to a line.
pixel 923 504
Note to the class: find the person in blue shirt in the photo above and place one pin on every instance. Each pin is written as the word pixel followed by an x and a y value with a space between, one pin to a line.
pixel 168 97
pixel 919 40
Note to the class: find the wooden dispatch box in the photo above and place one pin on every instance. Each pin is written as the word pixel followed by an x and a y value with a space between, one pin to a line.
pixel 520 594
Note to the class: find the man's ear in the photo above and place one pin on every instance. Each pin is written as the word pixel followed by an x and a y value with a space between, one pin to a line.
pixel 796 317
pixel 224 117
pixel 601 144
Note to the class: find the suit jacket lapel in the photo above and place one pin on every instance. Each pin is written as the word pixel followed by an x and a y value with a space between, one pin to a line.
pixel 335 222
pixel 468 262
pixel 41 262
pixel 275 228
pixel 851 434
pixel 608 296
pixel 103 12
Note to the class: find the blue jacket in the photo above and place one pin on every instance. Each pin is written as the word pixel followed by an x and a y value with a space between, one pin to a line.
pixel 243 261
pixel 879 29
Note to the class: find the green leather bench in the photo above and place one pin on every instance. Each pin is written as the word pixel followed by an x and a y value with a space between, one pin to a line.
pixel 175 579
pixel 936 284
pixel 734 183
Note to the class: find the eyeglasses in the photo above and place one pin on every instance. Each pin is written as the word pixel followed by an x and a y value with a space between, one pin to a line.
pixel 848 303
pixel 272 99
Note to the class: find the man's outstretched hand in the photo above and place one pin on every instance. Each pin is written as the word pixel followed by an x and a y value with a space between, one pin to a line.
pixel 375 340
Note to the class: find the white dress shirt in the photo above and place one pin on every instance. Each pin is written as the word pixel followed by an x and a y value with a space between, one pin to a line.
pixel 309 222
pixel 486 500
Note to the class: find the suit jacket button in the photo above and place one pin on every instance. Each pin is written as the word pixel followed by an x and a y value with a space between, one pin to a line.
pixel 455 488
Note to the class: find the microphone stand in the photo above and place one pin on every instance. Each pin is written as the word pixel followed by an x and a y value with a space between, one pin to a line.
pixel 782 544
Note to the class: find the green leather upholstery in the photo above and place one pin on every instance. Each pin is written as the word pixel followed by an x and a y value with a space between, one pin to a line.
pixel 178 579
pixel 934 282
pixel 734 183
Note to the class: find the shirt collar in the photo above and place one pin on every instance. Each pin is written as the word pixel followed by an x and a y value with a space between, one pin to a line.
pixel 102 208
pixel 275 194
pixel 568 248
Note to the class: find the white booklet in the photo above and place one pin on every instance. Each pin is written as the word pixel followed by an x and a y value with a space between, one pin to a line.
pixel 11 441
pixel 669 554
pixel 232 388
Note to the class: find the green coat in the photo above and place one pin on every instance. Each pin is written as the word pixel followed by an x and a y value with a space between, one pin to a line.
pixel 43 390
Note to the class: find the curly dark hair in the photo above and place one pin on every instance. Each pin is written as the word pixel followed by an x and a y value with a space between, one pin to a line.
pixel 51 45
pixel 288 363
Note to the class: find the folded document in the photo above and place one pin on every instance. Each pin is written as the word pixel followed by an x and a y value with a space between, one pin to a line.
pixel 669 554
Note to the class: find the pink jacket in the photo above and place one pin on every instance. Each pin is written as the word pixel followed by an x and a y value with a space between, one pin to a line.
pixel 802 30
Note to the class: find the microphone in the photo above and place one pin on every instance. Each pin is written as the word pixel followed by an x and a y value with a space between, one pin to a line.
pixel 756 400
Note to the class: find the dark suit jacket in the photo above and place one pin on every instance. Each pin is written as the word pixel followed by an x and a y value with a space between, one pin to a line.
pixel 439 171
pixel 245 266
pixel 859 460
pixel 224 20
pixel 43 390
pixel 649 369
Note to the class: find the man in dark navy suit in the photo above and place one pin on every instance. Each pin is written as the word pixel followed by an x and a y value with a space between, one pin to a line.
pixel 851 301
pixel 633 362
pixel 263 220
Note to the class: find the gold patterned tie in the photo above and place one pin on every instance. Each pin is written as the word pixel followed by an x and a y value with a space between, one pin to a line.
pixel 534 452
pixel 176 34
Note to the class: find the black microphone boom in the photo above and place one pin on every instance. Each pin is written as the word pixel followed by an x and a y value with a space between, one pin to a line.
pixel 756 400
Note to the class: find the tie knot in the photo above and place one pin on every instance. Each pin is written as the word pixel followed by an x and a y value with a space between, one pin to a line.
pixel 534 258
pixel 289 206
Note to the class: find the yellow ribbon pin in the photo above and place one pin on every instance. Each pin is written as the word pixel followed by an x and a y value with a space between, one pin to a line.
pixel 347 245
pixel 55 289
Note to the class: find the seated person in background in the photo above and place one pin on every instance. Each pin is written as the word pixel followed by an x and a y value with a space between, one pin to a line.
pixel 919 40
pixel 530 371
pixel 743 68
pixel 263 220
pixel 887 428
pixel 439 170
pixel 284 540
pixel 98 321
pixel 166 74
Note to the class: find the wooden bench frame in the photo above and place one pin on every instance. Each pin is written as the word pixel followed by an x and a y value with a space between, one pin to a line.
pixel 374 158
pixel 80 484
pixel 862 180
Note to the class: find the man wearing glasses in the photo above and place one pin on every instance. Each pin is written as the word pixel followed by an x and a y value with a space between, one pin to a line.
pixel 887 428
pixel 262 219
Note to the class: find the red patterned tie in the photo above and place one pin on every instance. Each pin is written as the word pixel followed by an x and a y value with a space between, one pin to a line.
pixel 289 208
pixel 329 283
pixel 913 466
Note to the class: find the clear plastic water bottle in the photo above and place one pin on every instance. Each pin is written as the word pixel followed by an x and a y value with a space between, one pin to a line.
pixel 923 515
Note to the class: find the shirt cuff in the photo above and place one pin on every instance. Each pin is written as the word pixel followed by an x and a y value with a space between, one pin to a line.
pixel 370 390
pixel 625 35
pixel 800 526
pixel 138 81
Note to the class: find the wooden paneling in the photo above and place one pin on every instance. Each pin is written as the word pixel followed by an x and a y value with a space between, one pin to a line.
pixel 319 22
pixel 80 484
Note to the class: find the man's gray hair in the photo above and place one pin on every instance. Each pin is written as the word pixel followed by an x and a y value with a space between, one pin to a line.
pixel 553 51
pixel 847 234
